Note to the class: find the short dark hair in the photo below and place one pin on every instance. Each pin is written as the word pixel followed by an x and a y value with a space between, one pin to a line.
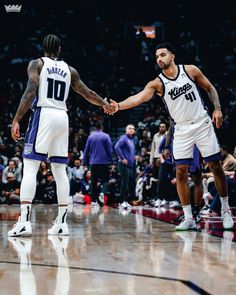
pixel 51 44
pixel 99 125
pixel 168 46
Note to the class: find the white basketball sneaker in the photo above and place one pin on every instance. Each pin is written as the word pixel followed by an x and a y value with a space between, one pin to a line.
pixel 157 203
pixel 125 205
pixel 60 229
pixel 187 224
pixel 101 198
pixel 23 229
pixel 228 222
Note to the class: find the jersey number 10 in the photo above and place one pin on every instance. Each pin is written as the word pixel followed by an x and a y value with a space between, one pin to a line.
pixel 56 89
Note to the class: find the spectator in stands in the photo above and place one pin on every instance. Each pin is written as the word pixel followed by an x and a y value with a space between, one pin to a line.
pixel 166 190
pixel 86 187
pixel 41 181
pixel 77 173
pixel 50 193
pixel 11 168
pixel 228 160
pixel 155 154
pixel 4 159
pixel 19 164
pixel 11 190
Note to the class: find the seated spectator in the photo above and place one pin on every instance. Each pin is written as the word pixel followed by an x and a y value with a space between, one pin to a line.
pixel 10 190
pixel 228 160
pixel 3 159
pixel 85 189
pixel 146 186
pixel 41 180
pixel 215 206
pixel 11 168
pixel 140 167
pixel 77 174
pixel 166 188
pixel 229 167
pixel 49 194
pixel 19 164
pixel 228 164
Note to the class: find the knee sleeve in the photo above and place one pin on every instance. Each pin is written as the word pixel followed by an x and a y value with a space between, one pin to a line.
pixel 62 182
pixel 28 184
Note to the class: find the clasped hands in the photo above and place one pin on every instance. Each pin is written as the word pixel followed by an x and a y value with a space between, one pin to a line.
pixel 110 107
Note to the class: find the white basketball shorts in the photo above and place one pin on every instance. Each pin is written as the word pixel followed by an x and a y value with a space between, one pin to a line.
pixel 47 136
pixel 202 134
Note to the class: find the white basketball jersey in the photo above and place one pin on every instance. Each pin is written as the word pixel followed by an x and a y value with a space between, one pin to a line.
pixel 181 97
pixel 54 84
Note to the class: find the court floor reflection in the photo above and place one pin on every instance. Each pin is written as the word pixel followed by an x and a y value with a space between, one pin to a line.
pixel 110 252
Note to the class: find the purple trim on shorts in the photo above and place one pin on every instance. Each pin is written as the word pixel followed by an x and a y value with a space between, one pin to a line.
pixel 30 138
pixel 60 160
pixel 184 161
pixel 214 157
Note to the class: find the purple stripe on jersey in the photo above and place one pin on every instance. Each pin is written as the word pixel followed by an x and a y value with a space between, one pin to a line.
pixel 214 157
pixel 29 146
pixel 60 160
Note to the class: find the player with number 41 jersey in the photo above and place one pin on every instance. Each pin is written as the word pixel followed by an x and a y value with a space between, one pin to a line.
pixel 181 97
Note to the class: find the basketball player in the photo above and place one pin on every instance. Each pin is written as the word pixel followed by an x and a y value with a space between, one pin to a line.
pixel 177 85
pixel 49 80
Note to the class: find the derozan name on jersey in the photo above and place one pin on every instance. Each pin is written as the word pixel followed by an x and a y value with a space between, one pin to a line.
pixel 58 71
pixel 176 92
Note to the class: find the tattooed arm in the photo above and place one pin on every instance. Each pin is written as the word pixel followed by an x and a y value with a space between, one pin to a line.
pixel 78 85
pixel 27 97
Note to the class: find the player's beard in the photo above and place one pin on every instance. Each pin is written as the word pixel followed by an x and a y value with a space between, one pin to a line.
pixel 164 66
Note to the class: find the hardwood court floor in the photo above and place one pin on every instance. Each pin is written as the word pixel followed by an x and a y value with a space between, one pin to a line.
pixel 114 252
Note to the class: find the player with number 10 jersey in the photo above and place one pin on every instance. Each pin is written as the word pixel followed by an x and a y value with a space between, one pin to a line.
pixel 44 138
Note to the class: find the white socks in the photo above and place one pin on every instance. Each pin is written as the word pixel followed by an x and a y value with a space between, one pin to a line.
pixel 224 203
pixel 188 211
pixel 25 212
pixel 62 214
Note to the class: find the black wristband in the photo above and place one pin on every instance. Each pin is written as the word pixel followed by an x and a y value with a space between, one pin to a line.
pixel 166 147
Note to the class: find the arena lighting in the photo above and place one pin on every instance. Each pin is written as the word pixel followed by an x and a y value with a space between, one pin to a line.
pixel 150 31
pixel 153 30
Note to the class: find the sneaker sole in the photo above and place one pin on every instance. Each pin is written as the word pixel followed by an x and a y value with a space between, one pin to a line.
pixel 26 234
pixel 228 228
pixel 188 229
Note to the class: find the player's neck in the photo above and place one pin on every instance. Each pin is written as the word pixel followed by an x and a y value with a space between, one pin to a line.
pixel 171 72
pixel 53 56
